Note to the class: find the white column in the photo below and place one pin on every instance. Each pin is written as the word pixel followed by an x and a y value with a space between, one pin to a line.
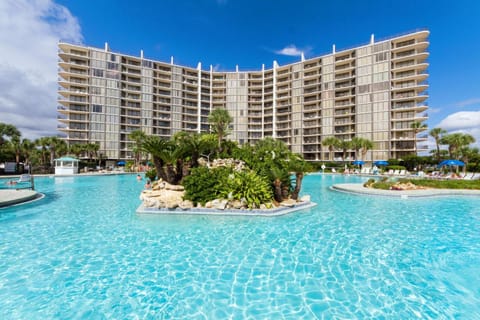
pixel 274 108
pixel 263 100
pixel 199 97
pixel 211 88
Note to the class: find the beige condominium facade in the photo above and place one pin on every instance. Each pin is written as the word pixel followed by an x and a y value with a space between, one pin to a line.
pixel 375 91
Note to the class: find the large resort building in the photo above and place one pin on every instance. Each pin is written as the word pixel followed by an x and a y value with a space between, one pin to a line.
pixel 374 91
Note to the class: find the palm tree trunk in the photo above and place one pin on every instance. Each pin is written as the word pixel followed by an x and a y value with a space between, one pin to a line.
pixel 298 185
pixel 277 191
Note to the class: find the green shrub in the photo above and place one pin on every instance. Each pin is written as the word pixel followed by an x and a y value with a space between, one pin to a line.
pixel 369 183
pixel 151 174
pixel 203 184
pixel 249 186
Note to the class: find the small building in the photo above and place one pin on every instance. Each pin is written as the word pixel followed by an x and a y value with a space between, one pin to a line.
pixel 66 165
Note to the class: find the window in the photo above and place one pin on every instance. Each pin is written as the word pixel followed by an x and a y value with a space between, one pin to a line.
pixel 97 72
pixel 96 108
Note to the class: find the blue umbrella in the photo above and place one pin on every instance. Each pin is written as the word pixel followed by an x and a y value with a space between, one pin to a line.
pixel 358 162
pixel 381 163
pixel 451 162
pixel 121 163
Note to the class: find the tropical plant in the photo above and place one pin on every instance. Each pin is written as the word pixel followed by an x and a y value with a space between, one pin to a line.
pixel 344 145
pixel 7 130
pixel 455 142
pixel 331 143
pixel 77 149
pixel 138 136
pixel 220 121
pixel 151 174
pixel 246 186
pixel 417 127
pixel 204 184
pixel 363 144
pixel 27 148
pixel 366 145
pixel 155 145
pixel 466 154
pixel 299 166
pixel 437 133
pixel 43 143
pixel 56 146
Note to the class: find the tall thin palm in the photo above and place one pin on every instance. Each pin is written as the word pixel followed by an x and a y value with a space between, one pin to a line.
pixel 437 133
pixel 417 127
pixel 138 137
pixel 220 121
pixel 366 145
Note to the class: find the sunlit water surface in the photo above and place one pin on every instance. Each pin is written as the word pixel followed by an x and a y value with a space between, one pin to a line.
pixel 83 253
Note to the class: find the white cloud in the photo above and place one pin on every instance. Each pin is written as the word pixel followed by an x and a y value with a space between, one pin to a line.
pixel 290 50
pixel 464 122
pixel 461 120
pixel 30 31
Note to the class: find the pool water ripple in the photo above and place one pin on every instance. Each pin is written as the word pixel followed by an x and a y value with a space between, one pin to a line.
pixel 83 253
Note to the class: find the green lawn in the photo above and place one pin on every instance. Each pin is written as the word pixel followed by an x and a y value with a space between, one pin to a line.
pixel 429 183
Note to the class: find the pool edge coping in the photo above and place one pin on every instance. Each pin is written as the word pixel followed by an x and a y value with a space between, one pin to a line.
pixel 227 212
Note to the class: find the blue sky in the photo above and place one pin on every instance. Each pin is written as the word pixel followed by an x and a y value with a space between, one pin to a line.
pixel 224 33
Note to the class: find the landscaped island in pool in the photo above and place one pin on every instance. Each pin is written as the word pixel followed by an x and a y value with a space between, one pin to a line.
pixel 164 198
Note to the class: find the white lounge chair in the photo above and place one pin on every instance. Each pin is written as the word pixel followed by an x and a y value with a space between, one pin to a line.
pixel 403 172
pixel 24 178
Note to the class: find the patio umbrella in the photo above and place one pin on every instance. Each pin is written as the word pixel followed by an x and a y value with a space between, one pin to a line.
pixel 120 163
pixel 358 163
pixel 451 162
pixel 381 163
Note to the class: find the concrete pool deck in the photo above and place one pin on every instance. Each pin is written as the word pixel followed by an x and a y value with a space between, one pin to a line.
pixel 11 197
pixel 359 189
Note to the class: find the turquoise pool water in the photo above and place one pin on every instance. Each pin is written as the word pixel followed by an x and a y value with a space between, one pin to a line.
pixel 83 253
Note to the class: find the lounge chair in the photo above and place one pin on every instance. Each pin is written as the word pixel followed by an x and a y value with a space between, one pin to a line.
pixel 390 172
pixel 403 172
pixel 24 178
pixel 396 172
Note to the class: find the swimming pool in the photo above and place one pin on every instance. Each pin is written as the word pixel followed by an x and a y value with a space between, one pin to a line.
pixel 83 253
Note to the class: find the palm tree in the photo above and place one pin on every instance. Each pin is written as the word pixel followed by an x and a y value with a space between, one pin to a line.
pixel 154 145
pixel 366 145
pixel 7 130
pixel 467 153
pixel 331 143
pixel 299 166
pixel 43 143
pixel 456 141
pixel 220 121
pixel 344 145
pixel 56 145
pixel 417 127
pixel 437 133
pixel 77 149
pixel 92 150
pixel 356 144
pixel 27 147
pixel 138 137
pixel 16 146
